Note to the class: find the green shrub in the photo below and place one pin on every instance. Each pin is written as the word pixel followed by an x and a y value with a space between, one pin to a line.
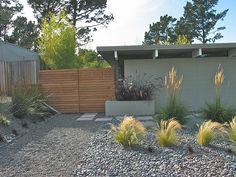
pixel 129 132
pixel 138 87
pixel 26 99
pixel 174 108
pixel 207 132
pixel 216 111
pixel 232 130
pixel 4 120
pixel 166 134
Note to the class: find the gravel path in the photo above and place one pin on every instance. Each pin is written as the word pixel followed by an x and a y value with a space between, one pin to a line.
pixel 105 158
pixel 52 149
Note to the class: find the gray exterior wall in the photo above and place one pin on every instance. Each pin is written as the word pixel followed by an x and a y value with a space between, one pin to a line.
pixel 198 83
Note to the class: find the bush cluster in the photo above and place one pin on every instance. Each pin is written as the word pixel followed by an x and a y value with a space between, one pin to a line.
pixel 166 133
pixel 138 87
pixel 130 132
pixel 232 130
pixel 26 99
pixel 174 108
pixel 173 114
pixel 207 132
pixel 216 111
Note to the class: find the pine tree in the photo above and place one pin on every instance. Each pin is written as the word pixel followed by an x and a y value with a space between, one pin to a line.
pixel 8 8
pixel 161 32
pixel 199 21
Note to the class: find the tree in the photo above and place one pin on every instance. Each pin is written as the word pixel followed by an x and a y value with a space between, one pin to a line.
pixel 57 42
pixel 199 21
pixel 8 8
pixel 90 59
pixel 43 8
pixel 185 28
pixel 161 32
pixel 85 15
pixel 24 33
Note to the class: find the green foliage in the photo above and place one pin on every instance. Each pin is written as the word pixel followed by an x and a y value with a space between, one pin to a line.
pixel 161 32
pixel 129 132
pixel 8 8
pixel 166 134
pixel 85 15
pixel 43 8
pixel 138 87
pixel 216 111
pixel 232 131
pixel 4 120
pixel 90 59
pixel 24 33
pixel 89 12
pixel 182 39
pixel 185 28
pixel 25 99
pixel 199 21
pixel 174 108
pixel 207 132
pixel 57 42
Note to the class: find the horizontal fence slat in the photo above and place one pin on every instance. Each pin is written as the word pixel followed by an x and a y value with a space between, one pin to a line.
pixel 83 90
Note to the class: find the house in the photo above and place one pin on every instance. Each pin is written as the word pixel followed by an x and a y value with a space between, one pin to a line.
pixel 197 62
pixel 17 66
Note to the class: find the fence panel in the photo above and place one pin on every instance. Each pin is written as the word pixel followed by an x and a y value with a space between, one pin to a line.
pixel 84 90
pixel 95 87
pixel 61 87
pixel 17 73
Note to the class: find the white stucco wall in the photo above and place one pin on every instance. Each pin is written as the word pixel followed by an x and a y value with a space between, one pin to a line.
pixel 198 83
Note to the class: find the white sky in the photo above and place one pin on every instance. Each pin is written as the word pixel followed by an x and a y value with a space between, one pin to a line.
pixel 132 19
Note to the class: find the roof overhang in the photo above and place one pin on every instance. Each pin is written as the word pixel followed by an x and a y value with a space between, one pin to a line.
pixel 120 53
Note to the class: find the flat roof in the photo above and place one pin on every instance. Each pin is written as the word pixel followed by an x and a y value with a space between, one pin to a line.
pixel 113 53
pixel 11 52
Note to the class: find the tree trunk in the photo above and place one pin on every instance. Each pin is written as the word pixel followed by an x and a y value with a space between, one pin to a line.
pixel 74 13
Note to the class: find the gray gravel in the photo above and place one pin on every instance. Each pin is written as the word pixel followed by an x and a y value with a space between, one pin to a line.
pixel 51 149
pixel 105 158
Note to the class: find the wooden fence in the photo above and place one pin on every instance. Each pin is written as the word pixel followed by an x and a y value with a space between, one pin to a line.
pixel 17 73
pixel 84 90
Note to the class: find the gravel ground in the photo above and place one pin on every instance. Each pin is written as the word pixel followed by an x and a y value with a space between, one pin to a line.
pixel 21 126
pixel 105 158
pixel 51 149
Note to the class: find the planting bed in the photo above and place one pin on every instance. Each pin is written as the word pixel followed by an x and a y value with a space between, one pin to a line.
pixel 19 127
pixel 104 157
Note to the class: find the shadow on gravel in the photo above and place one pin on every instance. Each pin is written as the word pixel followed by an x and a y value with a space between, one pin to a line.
pixel 56 140
pixel 43 128
pixel 228 150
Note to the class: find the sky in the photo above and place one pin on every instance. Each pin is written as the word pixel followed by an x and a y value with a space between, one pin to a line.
pixel 132 19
